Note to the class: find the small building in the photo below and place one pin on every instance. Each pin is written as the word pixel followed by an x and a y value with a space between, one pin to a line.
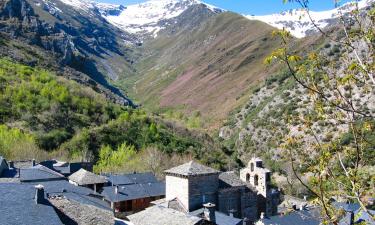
pixel 192 184
pixel 26 204
pixel 128 199
pixel 88 179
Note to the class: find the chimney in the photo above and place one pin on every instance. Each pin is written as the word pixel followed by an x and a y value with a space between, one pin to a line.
pixel 209 212
pixel 39 194
pixel 33 162
pixel 305 198
pixel 262 215
pixel 116 189
pixel 11 164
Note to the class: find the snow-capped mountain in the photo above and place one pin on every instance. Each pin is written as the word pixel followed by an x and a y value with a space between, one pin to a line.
pixel 144 18
pixel 298 22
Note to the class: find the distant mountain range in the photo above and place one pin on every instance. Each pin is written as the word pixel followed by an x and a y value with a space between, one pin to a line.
pixel 299 23
pixel 150 17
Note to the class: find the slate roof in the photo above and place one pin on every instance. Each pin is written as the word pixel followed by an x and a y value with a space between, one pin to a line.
pixel 19 207
pixel 83 214
pixel 221 218
pixel 230 179
pixel 63 186
pixel 305 217
pixel 355 208
pixel 159 215
pixel 84 177
pixel 82 195
pixel 134 191
pixel 133 178
pixel 39 173
pixel 191 169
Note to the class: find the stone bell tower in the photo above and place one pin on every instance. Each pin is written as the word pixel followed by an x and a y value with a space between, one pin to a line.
pixel 260 178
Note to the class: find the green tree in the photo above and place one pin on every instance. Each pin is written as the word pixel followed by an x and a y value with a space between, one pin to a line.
pixel 343 165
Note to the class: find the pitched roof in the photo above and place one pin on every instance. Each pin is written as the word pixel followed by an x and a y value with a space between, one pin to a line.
pixel 133 178
pixel 134 191
pixel 84 177
pixel 306 217
pixel 19 207
pixel 80 194
pixel 39 173
pixel 191 169
pixel 159 215
pixel 230 179
pixel 82 213
pixel 221 218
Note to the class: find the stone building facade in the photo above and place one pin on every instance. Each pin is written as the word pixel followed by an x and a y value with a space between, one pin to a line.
pixel 192 189
pixel 192 185
pixel 260 178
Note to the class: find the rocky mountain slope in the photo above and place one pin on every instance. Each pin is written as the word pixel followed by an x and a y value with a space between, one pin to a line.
pixel 79 42
pixel 203 65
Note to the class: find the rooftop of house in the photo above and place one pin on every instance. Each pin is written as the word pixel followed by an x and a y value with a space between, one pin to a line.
pixel 133 191
pixel 82 195
pixel 160 215
pixel 84 177
pixel 221 218
pixel 191 169
pixel 83 213
pixel 39 173
pixel 133 178
pixel 19 206
pixel 305 217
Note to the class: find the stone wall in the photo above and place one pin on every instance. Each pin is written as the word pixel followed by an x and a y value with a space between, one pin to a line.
pixel 202 189
pixel 241 201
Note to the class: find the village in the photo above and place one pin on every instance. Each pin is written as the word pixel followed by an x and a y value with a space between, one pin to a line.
pixel 53 192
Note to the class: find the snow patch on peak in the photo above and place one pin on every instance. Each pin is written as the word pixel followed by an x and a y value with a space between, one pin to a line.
pixel 298 22
pixel 80 4
pixel 144 18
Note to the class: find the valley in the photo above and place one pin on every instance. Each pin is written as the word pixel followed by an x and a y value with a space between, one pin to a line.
pixel 153 85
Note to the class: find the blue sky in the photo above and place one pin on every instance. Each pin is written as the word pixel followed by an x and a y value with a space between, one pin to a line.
pixel 256 7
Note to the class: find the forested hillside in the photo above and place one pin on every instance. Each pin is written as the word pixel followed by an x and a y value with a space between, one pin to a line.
pixel 44 115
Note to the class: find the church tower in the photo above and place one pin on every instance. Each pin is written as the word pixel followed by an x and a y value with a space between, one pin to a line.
pixel 260 178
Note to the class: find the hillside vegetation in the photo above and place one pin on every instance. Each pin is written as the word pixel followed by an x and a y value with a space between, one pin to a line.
pixel 43 115
pixel 199 70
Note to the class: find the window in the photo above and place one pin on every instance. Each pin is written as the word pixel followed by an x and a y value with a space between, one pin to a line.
pixel 247 177
pixel 268 177
pixel 256 178
pixel 252 167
